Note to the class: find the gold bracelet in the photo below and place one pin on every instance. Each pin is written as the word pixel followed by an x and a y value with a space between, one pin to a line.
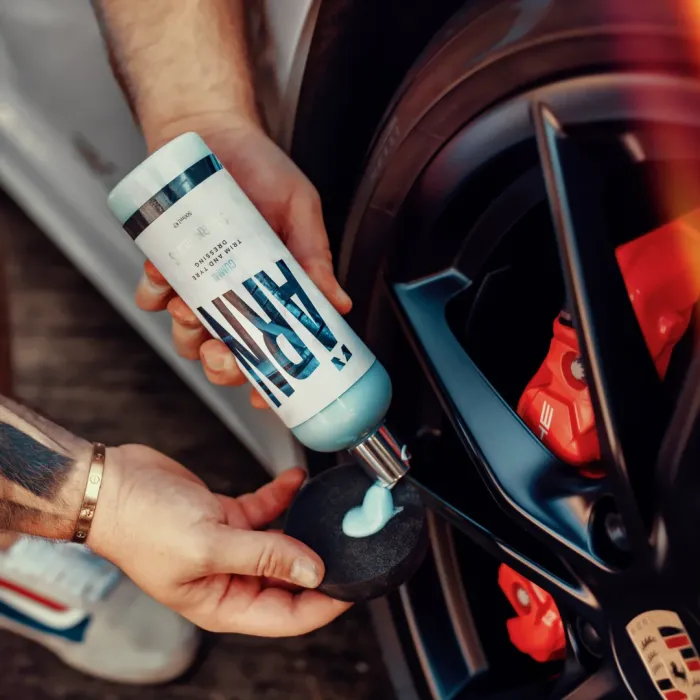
pixel 92 491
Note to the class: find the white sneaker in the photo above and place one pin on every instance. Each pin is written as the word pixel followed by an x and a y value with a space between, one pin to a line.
pixel 91 615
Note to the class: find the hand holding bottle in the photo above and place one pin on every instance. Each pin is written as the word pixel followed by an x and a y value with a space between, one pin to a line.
pixel 290 204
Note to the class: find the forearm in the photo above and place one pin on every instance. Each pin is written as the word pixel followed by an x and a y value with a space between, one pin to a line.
pixel 181 63
pixel 43 471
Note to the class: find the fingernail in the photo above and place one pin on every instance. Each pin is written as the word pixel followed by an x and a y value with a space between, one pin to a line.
pixel 219 361
pixel 152 287
pixel 305 573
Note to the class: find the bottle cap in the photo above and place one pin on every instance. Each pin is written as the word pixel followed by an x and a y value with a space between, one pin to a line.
pixel 162 178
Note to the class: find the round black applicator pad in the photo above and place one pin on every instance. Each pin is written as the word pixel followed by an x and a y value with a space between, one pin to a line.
pixel 358 569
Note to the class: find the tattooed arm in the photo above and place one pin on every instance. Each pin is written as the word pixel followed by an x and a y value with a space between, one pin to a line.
pixel 194 551
pixel 43 471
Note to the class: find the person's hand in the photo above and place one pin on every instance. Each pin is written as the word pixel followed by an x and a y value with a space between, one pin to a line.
pixel 202 554
pixel 292 207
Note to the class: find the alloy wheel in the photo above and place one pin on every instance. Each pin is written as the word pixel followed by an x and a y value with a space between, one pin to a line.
pixel 510 221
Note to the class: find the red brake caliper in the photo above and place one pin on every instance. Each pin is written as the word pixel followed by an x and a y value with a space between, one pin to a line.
pixel 662 274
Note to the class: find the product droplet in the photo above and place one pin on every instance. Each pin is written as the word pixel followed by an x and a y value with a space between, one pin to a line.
pixel 376 511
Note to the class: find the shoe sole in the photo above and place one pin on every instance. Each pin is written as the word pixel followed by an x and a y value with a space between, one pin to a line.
pixel 62 649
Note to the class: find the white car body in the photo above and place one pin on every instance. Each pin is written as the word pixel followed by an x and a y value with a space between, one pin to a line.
pixel 67 136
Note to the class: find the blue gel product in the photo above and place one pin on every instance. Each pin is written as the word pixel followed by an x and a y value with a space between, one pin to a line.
pixel 362 562
pixel 376 510
pixel 196 225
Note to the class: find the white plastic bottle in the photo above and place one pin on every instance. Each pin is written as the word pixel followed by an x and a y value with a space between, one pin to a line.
pixel 195 224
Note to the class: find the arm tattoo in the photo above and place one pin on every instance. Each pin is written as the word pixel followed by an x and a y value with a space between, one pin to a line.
pixel 43 469
pixel 31 465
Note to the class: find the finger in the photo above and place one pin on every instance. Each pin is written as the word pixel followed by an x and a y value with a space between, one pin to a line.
pixel 183 314
pixel 275 612
pixel 307 240
pixel 153 274
pixel 320 270
pixel 187 341
pixel 153 292
pixel 257 400
pixel 188 331
pixel 269 502
pixel 265 555
pixel 220 365
pixel 276 583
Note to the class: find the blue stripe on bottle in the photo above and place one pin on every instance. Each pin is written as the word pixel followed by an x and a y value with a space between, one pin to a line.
pixel 73 634
pixel 173 192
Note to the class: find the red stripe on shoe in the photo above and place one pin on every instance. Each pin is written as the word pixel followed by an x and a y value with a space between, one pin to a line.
pixel 675 695
pixel 680 640
pixel 693 665
pixel 51 604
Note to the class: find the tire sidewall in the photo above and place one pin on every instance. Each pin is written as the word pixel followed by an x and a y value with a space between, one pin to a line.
pixel 479 60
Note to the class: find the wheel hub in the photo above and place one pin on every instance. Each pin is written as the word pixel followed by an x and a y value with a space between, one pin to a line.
pixel 655 646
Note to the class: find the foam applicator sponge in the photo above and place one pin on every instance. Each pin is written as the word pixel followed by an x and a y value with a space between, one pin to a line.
pixel 358 569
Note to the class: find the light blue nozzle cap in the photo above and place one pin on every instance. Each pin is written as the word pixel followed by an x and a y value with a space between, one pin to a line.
pixel 158 170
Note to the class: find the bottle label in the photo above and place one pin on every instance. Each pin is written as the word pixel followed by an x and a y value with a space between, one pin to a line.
pixel 228 265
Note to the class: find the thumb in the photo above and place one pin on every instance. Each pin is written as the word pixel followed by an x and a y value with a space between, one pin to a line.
pixel 307 240
pixel 267 555
pixel 319 268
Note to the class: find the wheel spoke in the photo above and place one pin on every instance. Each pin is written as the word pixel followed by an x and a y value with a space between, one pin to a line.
pixel 629 405
pixel 679 478
pixel 567 590
pixel 548 497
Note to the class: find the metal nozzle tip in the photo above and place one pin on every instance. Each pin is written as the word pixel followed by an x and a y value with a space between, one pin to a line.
pixel 383 457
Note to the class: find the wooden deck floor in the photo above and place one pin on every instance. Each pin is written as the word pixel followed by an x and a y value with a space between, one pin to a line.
pixel 78 362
